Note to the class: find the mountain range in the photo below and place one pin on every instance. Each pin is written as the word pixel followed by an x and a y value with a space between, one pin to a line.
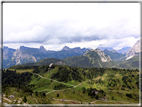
pixel 27 54
pixel 124 50
pixel 91 58
pixel 67 76
pixel 84 57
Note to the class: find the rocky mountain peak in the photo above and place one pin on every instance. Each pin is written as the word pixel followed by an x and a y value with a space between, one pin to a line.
pixel 86 53
pixel 7 52
pixel 66 48
pixel 103 56
pixel 19 56
pixel 23 48
pixel 42 49
pixel 5 47
pixel 134 51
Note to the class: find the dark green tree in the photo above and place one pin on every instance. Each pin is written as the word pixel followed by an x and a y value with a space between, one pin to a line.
pixel 36 93
pixel 44 94
pixel 25 99
pixel 84 89
pixel 57 95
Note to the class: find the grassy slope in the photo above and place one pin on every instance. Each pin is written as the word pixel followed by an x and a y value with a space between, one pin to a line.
pixel 90 60
pixel 132 63
pixel 30 99
pixel 45 61
pixel 45 85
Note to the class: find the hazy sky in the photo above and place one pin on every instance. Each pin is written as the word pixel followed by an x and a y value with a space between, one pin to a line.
pixel 54 25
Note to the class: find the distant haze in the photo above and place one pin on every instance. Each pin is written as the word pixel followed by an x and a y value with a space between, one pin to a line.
pixel 55 25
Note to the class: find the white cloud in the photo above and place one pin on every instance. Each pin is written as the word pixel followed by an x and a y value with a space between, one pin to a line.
pixel 36 34
pixel 80 24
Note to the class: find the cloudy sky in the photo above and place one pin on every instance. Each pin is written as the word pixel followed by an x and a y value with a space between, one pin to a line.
pixel 54 25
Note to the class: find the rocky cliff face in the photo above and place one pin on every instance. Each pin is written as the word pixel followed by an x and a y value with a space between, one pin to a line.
pixel 85 54
pixel 19 57
pixel 102 55
pixel 134 51
pixel 76 49
pixel 7 52
pixel 29 54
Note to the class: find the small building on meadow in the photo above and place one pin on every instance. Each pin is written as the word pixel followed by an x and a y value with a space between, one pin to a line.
pixel 51 65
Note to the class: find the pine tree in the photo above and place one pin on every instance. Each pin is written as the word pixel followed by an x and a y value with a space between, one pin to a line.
pixel 25 99
pixel 57 95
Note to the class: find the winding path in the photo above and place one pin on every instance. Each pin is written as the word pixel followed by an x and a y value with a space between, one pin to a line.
pixel 54 80
pixel 60 83
pixel 7 99
pixel 81 83
pixel 35 100
pixel 74 87
pixel 14 100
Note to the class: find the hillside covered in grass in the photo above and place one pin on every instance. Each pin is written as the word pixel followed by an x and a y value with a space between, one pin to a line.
pixel 71 85
pixel 132 63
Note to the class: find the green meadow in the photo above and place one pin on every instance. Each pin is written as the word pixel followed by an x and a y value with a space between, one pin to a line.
pixel 72 85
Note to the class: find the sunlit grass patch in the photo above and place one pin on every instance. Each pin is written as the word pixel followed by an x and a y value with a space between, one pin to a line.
pixel 22 70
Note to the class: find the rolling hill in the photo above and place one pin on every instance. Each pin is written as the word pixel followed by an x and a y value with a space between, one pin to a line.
pixel 91 58
pixel 70 85
pixel 132 63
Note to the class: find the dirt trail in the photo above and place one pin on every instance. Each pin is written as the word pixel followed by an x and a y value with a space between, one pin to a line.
pixel 60 83
pixel 35 100
pixel 11 101
pixel 51 85
pixel 81 83
pixel 7 99
pixel 74 87
pixel 54 80
pixel 50 92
